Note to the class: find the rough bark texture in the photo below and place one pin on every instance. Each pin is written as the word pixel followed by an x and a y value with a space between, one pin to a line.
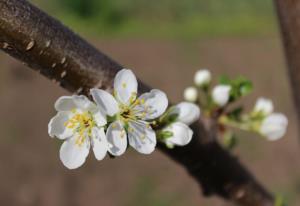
pixel 289 19
pixel 45 45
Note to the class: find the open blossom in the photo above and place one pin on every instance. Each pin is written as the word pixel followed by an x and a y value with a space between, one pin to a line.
pixel 202 77
pixel 221 94
pixel 190 94
pixel 264 105
pixel 186 113
pixel 274 126
pixel 130 115
pixel 81 124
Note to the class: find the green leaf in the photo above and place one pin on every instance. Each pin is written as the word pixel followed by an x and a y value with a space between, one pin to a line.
pixel 246 87
pixel 172 117
pixel 235 114
pixel 168 117
pixel 240 86
pixel 224 79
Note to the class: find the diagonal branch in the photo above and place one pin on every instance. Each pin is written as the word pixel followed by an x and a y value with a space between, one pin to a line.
pixel 45 45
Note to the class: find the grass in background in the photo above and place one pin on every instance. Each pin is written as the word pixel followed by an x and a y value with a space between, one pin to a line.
pixel 164 18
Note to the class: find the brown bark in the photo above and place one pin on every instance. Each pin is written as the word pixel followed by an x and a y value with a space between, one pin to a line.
pixel 289 19
pixel 45 45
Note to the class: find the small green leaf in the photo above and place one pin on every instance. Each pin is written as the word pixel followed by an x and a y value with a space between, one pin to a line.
pixel 235 114
pixel 168 117
pixel 239 86
pixel 246 88
pixel 223 79
pixel 172 117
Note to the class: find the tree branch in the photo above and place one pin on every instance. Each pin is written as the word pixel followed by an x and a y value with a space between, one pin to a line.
pixel 45 45
pixel 289 18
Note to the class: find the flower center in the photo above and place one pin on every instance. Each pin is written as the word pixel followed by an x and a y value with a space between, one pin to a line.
pixel 131 112
pixel 82 124
pixel 127 113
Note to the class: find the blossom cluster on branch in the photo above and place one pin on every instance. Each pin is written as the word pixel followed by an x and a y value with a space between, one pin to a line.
pixel 219 102
pixel 113 121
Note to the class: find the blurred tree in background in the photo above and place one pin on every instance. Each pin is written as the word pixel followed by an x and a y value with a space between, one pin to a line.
pixel 106 11
pixel 189 18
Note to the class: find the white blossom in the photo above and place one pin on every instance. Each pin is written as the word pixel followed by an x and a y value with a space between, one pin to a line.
pixel 190 94
pixel 274 126
pixel 130 115
pixel 264 105
pixel 81 124
pixel 202 77
pixel 221 94
pixel 186 113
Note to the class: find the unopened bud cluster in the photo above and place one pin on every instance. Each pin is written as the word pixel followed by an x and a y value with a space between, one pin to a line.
pixel 216 100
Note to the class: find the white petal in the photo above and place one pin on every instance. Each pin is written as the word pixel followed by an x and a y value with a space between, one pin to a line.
pixel 125 86
pixel 141 137
pixel 99 143
pixel 73 155
pixel 274 126
pixel 117 138
pixel 67 103
pixel 264 105
pixel 105 101
pixel 152 105
pixel 221 94
pixel 182 134
pixel 99 118
pixel 187 112
pixel 57 128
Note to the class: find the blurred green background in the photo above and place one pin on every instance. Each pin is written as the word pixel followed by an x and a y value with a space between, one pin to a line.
pixel 164 42
pixel 164 18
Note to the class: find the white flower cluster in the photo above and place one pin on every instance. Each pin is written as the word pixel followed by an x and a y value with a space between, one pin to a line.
pixel 180 134
pixel 114 121
pixel 262 119
pixel 273 125
pixel 111 122
pixel 202 79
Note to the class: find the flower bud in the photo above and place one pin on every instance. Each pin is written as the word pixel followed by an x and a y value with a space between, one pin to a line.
pixel 190 94
pixel 221 94
pixel 264 105
pixel 274 126
pixel 202 77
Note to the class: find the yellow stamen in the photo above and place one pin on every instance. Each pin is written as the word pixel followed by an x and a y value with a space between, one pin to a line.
pixel 82 124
